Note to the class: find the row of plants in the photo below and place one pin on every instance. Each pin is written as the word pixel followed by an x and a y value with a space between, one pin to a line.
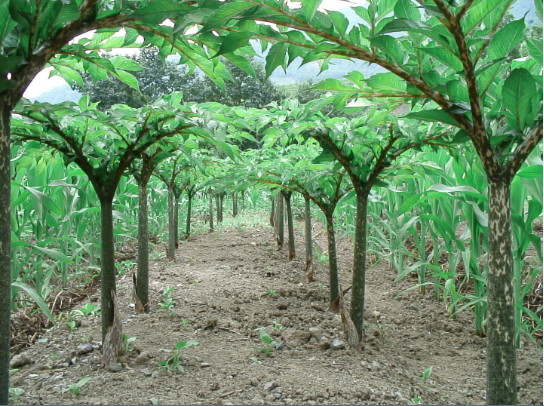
pixel 446 61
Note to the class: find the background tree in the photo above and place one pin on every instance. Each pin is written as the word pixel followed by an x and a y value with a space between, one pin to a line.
pixel 244 90
pixel 155 76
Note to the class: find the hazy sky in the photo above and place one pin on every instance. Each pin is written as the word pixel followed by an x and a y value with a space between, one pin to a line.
pixel 43 83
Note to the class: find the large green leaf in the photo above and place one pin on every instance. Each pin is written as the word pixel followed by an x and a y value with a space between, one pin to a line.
pixel 309 8
pixel 506 39
pixel 403 24
pixel 406 9
pixel 433 115
pixel 490 10
pixel 226 12
pixel 518 92
pixel 534 171
pixel 334 85
pixel 234 41
pixel 275 57
pixel 36 297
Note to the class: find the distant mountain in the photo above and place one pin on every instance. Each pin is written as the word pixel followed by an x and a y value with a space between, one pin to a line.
pixel 58 94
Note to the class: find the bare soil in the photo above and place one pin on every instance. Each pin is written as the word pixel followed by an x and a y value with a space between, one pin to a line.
pixel 228 285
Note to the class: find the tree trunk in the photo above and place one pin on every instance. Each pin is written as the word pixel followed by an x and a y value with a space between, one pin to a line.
pixel 309 270
pixel 290 227
pixel 234 204
pixel 142 288
pixel 279 220
pixel 243 198
pixel 176 221
pixel 359 263
pixel 171 251
pixel 211 210
pixel 501 325
pixel 189 209
pixel 5 250
pixel 273 214
pixel 107 265
pixel 218 208
pixel 333 263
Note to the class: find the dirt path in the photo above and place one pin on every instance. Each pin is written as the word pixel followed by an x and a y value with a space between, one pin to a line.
pixel 223 286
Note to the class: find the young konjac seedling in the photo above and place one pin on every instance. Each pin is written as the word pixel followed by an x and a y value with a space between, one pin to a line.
pixel 426 374
pixel 87 310
pixel 75 388
pixel 268 341
pixel 168 302
pixel 173 363
pixel 127 342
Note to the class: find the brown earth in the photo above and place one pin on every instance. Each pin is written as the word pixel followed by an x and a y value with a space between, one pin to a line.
pixel 223 285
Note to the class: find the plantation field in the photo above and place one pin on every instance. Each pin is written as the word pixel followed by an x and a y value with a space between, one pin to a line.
pixel 230 285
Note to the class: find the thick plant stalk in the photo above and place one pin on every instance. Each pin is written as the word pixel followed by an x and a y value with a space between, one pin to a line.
pixel 176 220
pixel 5 248
pixel 273 214
pixel 234 204
pixel 290 227
pixel 107 264
pixel 333 263
pixel 211 209
pixel 501 333
pixel 309 269
pixel 359 263
pixel 190 194
pixel 142 284
pixel 171 251
pixel 218 208
pixel 279 221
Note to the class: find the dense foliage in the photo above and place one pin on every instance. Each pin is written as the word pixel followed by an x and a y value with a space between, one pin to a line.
pixel 446 138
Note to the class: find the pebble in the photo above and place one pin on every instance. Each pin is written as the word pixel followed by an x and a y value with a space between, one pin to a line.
pixel 205 365
pixel 337 344
pixel 84 349
pixel 146 372
pixel 316 333
pixel 270 385
pixel 277 395
pixel 19 360
pixel 43 340
pixel 114 367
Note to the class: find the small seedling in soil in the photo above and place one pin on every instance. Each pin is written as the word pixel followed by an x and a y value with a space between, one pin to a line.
pixel 185 323
pixel 75 388
pixel 173 363
pixel 255 360
pixel 168 302
pixel 268 341
pixel 124 267
pixel 87 310
pixel 14 394
pixel 426 374
pixel 278 326
pixel 154 401
pixel 321 287
pixel 270 291
pixel 416 400
pixel 127 342
pixel 72 325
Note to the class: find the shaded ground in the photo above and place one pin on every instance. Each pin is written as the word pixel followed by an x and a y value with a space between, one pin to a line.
pixel 223 284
